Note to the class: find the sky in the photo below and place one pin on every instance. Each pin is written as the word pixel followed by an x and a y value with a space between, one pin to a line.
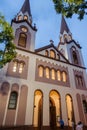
pixel 48 22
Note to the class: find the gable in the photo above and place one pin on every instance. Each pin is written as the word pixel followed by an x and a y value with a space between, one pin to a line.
pixel 73 43
pixel 52 52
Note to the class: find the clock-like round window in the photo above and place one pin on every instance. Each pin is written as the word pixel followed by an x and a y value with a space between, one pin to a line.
pixel 24 29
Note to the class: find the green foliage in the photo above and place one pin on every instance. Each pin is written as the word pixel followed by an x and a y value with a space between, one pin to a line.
pixel 6 39
pixel 69 7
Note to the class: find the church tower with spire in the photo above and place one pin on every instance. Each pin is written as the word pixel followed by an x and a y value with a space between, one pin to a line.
pixel 24 31
pixel 68 46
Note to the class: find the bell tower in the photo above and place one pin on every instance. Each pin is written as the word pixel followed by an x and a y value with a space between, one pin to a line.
pixel 24 31
pixel 68 46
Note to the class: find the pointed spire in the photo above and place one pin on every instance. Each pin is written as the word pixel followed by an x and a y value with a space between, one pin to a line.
pixel 26 7
pixel 64 26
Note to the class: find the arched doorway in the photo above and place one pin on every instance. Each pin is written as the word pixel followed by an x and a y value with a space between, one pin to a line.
pixel 37 120
pixel 70 111
pixel 55 109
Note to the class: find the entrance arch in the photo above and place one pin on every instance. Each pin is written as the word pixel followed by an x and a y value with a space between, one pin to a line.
pixel 37 120
pixel 55 107
pixel 70 111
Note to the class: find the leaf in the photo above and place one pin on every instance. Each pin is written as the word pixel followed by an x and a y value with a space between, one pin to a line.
pixel 6 38
pixel 69 7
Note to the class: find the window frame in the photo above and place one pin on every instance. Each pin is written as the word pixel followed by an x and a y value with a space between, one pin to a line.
pixel 75 57
pixel 46 53
pixel 19 17
pixel 15 66
pixel 22 38
pixel 25 17
pixel 53 74
pixel 64 76
pixel 84 106
pixel 40 71
pixel 58 75
pixel 21 68
pixel 12 99
pixel 47 73
pixel 52 54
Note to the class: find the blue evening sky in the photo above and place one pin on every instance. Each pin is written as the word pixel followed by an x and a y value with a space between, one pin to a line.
pixel 48 22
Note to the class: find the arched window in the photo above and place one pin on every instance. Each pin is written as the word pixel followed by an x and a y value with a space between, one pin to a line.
pixel 85 106
pixel 70 37
pixel 81 80
pixel 47 73
pixel 13 100
pixel 75 59
pixel 52 54
pixel 20 17
pixel 25 17
pixel 58 75
pixel 46 53
pixel 65 35
pixel 22 40
pixel 53 76
pixel 77 80
pixel 41 71
pixel 21 66
pixel 15 64
pixel 64 76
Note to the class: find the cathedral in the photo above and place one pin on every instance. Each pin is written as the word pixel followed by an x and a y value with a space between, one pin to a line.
pixel 41 86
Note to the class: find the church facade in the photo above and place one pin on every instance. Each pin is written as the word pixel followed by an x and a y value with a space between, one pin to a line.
pixel 41 86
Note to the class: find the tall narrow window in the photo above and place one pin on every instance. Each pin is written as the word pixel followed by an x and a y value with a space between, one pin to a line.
pixel 58 75
pixel 52 54
pixel 77 80
pixel 22 40
pixel 65 37
pixel 46 53
pixel 13 100
pixel 81 80
pixel 85 106
pixel 15 66
pixel 70 37
pixel 64 76
pixel 47 72
pixel 53 76
pixel 21 66
pixel 75 59
pixel 41 71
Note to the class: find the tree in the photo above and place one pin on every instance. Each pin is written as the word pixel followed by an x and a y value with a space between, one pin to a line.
pixel 6 39
pixel 69 7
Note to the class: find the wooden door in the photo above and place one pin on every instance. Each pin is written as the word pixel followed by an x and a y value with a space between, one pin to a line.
pixel 52 116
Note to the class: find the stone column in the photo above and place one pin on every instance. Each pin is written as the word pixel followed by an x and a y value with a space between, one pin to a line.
pixel 46 109
pixel 64 109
